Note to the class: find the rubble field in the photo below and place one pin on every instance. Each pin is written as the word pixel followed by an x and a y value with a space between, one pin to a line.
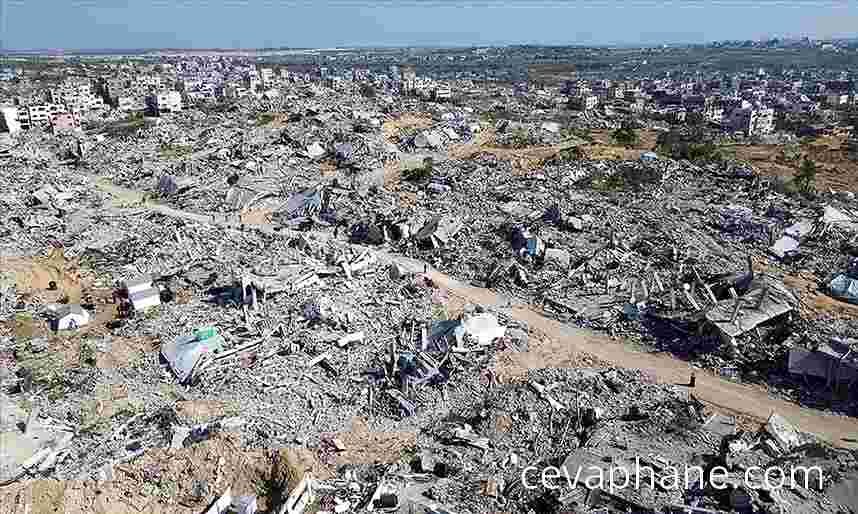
pixel 331 303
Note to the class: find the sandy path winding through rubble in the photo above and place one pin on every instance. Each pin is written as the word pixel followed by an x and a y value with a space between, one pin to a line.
pixel 724 395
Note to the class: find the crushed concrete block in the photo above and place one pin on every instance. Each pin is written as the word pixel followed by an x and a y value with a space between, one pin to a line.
pixel 558 256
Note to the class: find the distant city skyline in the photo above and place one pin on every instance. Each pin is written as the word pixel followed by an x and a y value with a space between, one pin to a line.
pixel 245 24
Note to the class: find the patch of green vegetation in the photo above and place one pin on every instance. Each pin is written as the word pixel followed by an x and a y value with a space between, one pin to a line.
pixel 420 173
pixel 152 312
pixel 439 312
pixel 127 127
pixel 129 409
pixel 612 182
pixel 168 490
pixel 25 325
pixel 628 178
pixel 408 132
pixel 577 132
pixel 174 151
pixel 570 154
pixel 86 354
pixel 314 507
pixel 92 422
pixel 805 177
pixel 626 136
pixel 264 118
pixel 43 368
pixel 489 117
pixel 408 454
pixel 520 138
pixel 696 152
pixel 791 152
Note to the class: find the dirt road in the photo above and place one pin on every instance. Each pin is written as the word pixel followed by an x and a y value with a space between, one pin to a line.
pixel 726 396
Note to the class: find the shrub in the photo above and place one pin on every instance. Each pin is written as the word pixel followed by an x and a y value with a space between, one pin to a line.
pixel 626 135
pixel 805 178
pixel 421 173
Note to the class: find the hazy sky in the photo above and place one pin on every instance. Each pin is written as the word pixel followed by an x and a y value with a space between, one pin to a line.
pixel 327 23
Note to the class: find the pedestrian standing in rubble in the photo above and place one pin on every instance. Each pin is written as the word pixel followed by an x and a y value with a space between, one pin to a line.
pixel 693 380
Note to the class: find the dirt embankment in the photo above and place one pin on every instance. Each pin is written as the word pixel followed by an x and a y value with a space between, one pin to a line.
pixel 34 275
pixel 165 481
pixel 530 158
pixel 391 129
pixel 834 169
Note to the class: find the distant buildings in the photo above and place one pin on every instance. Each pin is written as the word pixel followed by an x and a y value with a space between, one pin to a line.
pixel 77 96
pixel 443 93
pixel 9 73
pixel 252 83
pixel 752 120
pixel 233 91
pixel 713 112
pixel 266 75
pixel 170 101
pixel 409 79
pixel 837 100
pixel 584 103
pixel 65 123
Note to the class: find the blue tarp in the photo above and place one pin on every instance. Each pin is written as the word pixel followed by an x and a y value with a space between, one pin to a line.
pixel 184 353
pixel 844 288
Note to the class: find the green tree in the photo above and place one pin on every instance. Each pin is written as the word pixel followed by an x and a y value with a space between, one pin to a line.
pixel 791 152
pixel 805 178
pixel 626 135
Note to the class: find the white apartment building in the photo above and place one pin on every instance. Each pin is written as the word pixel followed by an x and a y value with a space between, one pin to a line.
pixel 251 82
pixel 585 103
pixel 234 91
pixel 69 89
pixel 762 121
pixel 9 119
pixel 76 96
pixel 443 93
pixel 714 113
pixel 23 117
pixel 38 114
pixel 753 120
pixel 616 92
pixel 165 101
pixel 41 114
pixel 149 81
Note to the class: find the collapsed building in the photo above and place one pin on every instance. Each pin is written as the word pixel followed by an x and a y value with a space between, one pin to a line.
pixel 325 310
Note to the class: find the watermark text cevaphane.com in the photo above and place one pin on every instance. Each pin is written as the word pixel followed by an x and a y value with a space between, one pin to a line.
pixel 614 478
